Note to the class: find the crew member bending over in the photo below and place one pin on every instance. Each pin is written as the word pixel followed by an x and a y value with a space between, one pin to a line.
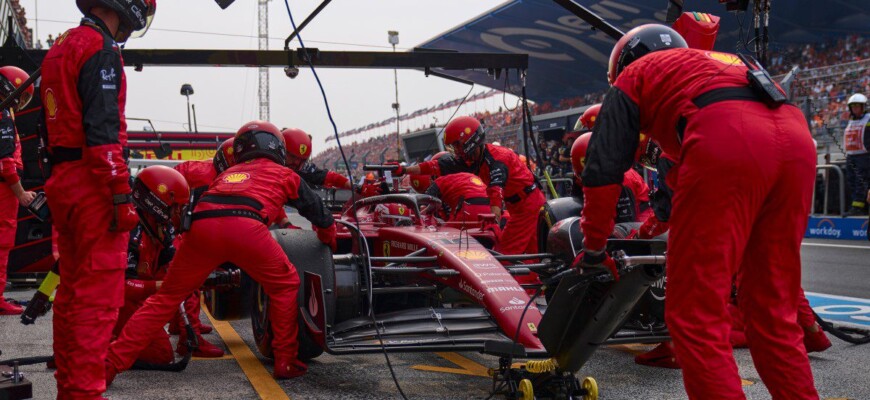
pixel 230 224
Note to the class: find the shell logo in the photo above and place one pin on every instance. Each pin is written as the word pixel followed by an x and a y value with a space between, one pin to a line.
pixel 50 103
pixel 725 58
pixel 477 181
pixel 472 254
pixel 18 81
pixel 592 118
pixel 162 188
pixel 230 150
pixel 237 177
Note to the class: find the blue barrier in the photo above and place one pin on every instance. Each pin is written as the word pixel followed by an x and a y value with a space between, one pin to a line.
pixel 837 228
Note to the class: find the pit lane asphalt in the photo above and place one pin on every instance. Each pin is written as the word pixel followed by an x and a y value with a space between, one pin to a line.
pixel 840 372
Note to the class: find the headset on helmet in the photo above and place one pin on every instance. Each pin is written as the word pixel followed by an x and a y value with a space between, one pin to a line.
pixel 135 15
pixel 587 120
pixel 223 158
pixel 463 136
pixel 298 144
pixel 259 139
pixel 639 42
pixel 159 194
pixel 10 79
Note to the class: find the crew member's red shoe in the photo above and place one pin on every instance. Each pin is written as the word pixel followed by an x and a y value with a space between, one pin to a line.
pixel 7 308
pixel 662 356
pixel 816 341
pixel 289 368
pixel 205 329
pixel 205 350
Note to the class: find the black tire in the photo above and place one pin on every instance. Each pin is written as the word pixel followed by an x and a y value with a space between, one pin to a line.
pixel 307 254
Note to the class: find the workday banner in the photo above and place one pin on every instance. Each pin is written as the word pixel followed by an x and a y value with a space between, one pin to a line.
pixel 837 228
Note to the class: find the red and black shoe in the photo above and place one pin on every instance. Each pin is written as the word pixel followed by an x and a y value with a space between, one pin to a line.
pixel 816 341
pixel 662 356
pixel 289 368
pixel 7 308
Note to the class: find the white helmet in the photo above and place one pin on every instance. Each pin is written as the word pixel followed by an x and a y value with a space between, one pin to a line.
pixel 857 98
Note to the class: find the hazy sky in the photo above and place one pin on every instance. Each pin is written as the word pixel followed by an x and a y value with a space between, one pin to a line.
pixel 226 98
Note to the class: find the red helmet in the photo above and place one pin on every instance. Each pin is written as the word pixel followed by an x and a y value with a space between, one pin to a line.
pixel 463 136
pixel 421 182
pixel 639 42
pixel 589 116
pixel 648 152
pixel 298 145
pixel 159 195
pixel 135 15
pixel 578 153
pixel 10 79
pixel 259 139
pixel 223 158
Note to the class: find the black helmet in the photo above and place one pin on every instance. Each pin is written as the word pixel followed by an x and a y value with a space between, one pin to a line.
pixel 259 139
pixel 135 15
pixel 639 42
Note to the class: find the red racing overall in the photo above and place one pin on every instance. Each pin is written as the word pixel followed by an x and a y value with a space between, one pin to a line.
pixel 10 163
pixel 83 90
pixel 150 259
pixel 742 193
pixel 463 194
pixel 255 191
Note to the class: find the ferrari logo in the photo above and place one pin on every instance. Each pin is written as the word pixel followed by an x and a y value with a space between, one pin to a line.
pixel 162 188
pixel 477 181
pixel 725 58
pixel 230 150
pixel 237 177
pixel 386 248
pixel 50 103
pixel 302 149
pixel 415 183
pixel 532 327
pixel 472 254
pixel 401 210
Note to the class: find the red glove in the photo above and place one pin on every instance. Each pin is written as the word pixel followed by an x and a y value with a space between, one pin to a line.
pixel 327 236
pixel 288 225
pixel 587 260
pixel 652 227
pixel 124 218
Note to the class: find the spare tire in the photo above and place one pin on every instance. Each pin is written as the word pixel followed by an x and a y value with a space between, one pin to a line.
pixel 307 254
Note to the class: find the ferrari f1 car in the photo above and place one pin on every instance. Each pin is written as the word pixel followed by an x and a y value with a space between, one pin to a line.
pixel 404 281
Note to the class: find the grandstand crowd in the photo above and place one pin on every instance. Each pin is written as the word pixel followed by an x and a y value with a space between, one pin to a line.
pixel 829 72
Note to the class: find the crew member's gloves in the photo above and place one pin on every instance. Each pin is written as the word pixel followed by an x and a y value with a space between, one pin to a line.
pixel 651 228
pixel 594 261
pixel 288 225
pixel 124 216
pixel 327 236
pixel 399 171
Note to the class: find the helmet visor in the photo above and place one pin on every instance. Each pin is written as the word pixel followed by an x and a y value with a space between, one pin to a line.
pixel 149 18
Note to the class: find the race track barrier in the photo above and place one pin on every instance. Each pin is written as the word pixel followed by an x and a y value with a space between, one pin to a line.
pixel 826 177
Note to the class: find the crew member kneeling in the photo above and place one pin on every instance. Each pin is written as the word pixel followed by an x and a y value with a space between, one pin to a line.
pixel 230 225
pixel 745 180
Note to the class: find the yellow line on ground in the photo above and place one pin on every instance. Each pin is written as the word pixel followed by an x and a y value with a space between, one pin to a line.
pixel 223 357
pixel 262 381
pixel 469 367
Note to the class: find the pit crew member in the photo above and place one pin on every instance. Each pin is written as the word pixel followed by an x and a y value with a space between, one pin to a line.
pixel 160 195
pixel 747 167
pixel 11 192
pixel 84 92
pixel 230 224
pixel 507 179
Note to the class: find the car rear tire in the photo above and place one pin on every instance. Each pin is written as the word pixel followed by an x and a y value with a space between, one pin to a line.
pixel 307 254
